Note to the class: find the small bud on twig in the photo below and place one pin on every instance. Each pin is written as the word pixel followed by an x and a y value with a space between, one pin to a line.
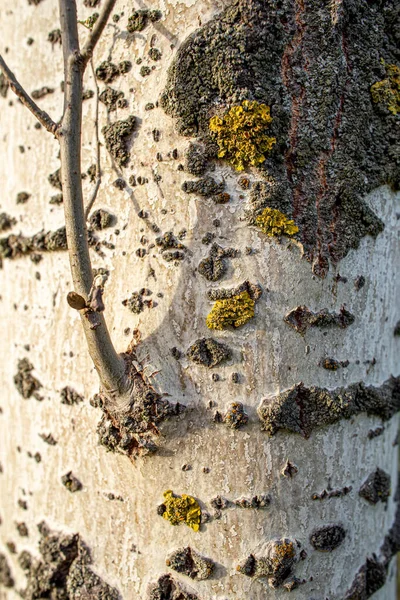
pixel 76 301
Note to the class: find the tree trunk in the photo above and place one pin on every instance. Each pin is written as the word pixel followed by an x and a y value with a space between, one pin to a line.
pixel 283 440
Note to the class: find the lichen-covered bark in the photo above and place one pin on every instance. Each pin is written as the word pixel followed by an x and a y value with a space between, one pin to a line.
pixel 188 497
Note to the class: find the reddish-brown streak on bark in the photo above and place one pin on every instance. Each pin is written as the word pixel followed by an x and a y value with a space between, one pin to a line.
pixel 297 101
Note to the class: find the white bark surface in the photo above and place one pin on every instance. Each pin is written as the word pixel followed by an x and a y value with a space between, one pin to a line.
pixel 128 539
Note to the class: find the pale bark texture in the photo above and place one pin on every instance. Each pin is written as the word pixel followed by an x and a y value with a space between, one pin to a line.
pixel 297 493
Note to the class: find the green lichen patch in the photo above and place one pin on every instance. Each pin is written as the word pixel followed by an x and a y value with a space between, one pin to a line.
pixel 301 318
pixel 190 563
pixel 113 99
pixel 302 409
pixel 139 19
pixel 387 91
pixel 241 134
pixel 231 312
pixel 182 509
pixel 117 137
pixel 332 144
pixel 274 223
pixel 63 570
pixel 208 352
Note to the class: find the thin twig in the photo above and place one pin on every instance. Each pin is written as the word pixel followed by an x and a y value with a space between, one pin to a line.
pixel 26 100
pixel 101 22
pixel 96 128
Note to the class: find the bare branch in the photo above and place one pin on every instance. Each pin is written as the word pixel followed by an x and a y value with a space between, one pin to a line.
pixel 26 100
pixel 101 22
pixel 98 165
pixel 109 365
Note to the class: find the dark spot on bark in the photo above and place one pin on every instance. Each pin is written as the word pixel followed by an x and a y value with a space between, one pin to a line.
pixel 155 54
pixel 235 417
pixel 55 179
pixel 396 330
pixel 54 37
pixel 4 85
pixel 48 438
pixel 206 187
pixel 301 409
pixel 373 433
pixel 301 318
pixel 119 183
pixel 170 247
pixel 253 289
pixel 22 197
pixel 189 562
pixel 331 364
pixel 15 246
pixel 276 565
pixel 289 470
pixel 117 137
pixel 91 3
pixel 208 352
pixel 26 384
pixel 57 199
pixel 71 482
pixel 63 570
pixel 145 71
pixel 40 93
pixel 5 572
pixel 327 538
pixel 214 266
pixel 260 501
pixel 6 222
pixel 198 158
pixel 359 282
pixel 22 529
pixel 369 579
pixel 108 71
pixel 23 504
pixel 167 588
pixel 70 396
pixel 376 488
pixel 113 99
pixel 87 94
pixel 207 238
pixel 339 493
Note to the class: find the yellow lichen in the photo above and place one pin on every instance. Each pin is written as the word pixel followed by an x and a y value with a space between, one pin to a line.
pixel 235 311
pixel 182 509
pixel 387 91
pixel 274 223
pixel 241 134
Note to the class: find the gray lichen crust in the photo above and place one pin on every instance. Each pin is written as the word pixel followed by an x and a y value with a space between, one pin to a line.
pixel 301 409
pixel 277 564
pixel 167 588
pixel 189 562
pixel 63 570
pixel 314 65
pixel 376 488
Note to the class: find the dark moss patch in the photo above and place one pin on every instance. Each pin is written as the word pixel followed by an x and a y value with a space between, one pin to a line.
pixel 327 538
pixel 6 222
pixel 171 247
pixel 301 318
pixel 55 179
pixel 4 85
pixel 235 417
pixel 5 572
pixel 108 71
pixel 376 488
pixel 63 570
pixel 256 502
pixel 293 58
pixel 40 93
pixel 134 430
pixel 331 364
pixel 54 37
pixel 71 482
pixel 206 187
pixel 139 19
pixel 22 197
pixel 69 396
pixel 189 562
pixel 276 565
pixel 338 493
pixel 208 352
pixel 101 219
pixel 214 266
pixel 113 99
pixel 117 137
pixel 26 384
pixel 15 246
pixel 301 409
